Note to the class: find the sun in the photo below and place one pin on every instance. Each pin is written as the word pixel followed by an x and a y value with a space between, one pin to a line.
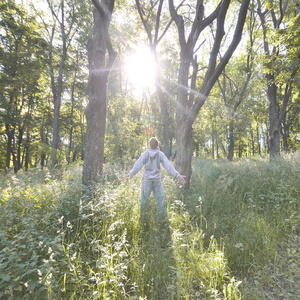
pixel 140 68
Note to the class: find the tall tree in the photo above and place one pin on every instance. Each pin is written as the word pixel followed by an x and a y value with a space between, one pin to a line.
pixel 291 38
pixel 233 96
pixel 233 84
pixel 272 16
pixel 99 68
pixel 67 19
pixel 187 111
pixel 21 51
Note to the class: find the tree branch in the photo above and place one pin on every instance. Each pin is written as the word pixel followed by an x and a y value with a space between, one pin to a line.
pixel 105 12
pixel 213 73
pixel 236 40
pixel 217 42
pixel 157 20
pixel 178 21
pixel 148 31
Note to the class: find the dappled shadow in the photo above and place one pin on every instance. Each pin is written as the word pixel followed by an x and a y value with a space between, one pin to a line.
pixel 157 259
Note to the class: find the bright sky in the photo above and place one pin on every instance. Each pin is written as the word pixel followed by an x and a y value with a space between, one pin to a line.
pixel 39 4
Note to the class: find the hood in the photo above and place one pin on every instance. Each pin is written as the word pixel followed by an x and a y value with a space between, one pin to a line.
pixel 152 152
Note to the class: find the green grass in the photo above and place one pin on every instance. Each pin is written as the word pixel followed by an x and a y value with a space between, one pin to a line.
pixel 253 207
pixel 235 235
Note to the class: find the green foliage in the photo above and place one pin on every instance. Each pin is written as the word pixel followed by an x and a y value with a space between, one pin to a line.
pixel 22 57
pixel 57 241
pixel 241 219
pixel 36 215
pixel 253 207
pixel 26 101
pixel 125 130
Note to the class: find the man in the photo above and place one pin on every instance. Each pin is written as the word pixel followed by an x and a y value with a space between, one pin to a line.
pixel 151 159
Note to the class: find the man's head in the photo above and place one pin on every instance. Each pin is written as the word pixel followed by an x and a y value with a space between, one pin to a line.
pixel 153 142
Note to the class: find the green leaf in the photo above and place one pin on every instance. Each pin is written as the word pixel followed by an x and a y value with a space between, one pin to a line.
pixel 6 278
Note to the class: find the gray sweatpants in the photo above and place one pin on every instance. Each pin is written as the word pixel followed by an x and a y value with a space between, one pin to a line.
pixel 159 195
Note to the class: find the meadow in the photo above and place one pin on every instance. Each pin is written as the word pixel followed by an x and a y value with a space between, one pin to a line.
pixel 234 235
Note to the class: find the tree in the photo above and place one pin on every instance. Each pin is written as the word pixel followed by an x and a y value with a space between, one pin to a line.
pixel 233 84
pixel 271 17
pixel 291 38
pixel 68 17
pixel 233 95
pixel 99 69
pixel 22 50
pixel 186 110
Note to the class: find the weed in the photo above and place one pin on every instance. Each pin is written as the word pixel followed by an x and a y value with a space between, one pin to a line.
pixel 235 235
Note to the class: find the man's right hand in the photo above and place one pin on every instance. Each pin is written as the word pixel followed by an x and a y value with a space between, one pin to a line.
pixel 181 179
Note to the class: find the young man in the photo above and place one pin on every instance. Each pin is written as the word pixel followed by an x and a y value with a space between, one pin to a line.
pixel 151 159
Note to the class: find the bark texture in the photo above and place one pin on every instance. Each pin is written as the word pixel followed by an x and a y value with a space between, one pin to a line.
pixel 97 92
pixel 186 112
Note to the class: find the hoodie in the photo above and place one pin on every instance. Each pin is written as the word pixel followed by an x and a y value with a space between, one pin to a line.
pixel 152 159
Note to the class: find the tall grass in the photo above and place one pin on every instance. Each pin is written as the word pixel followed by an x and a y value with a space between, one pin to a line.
pixel 235 235
pixel 253 207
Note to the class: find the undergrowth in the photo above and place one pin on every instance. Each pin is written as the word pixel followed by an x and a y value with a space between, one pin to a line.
pixel 252 206
pixel 235 235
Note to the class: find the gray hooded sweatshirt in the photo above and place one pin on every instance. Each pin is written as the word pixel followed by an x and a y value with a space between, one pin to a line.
pixel 152 159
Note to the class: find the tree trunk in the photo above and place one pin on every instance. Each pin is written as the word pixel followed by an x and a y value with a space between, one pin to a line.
pixel 43 155
pixel 252 140
pixel 20 140
pixel 267 144
pixel 96 109
pixel 70 145
pixel 82 135
pixel 94 149
pixel 27 153
pixel 10 127
pixel 184 154
pixel 276 114
pixel 197 149
pixel 55 132
pixel 274 129
pixel 14 156
pixel 258 140
pixel 183 133
pixel 97 92
pixel 9 135
pixel 240 150
pixel 186 112
pixel 283 111
pixel 72 112
pixel 71 131
pixel 231 141
pixel 284 134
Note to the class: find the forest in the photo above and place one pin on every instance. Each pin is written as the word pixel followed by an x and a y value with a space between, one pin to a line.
pixel 84 85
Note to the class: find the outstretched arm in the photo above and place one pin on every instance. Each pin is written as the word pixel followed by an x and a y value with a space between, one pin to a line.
pixel 137 166
pixel 168 166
